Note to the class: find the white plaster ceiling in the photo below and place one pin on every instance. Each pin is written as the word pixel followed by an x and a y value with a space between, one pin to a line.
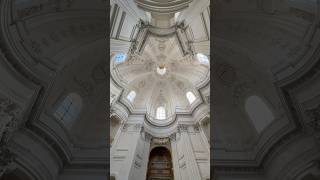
pixel 183 74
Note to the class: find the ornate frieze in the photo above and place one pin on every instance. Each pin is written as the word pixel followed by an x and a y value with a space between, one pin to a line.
pixel 188 128
pixel 160 141
pixel 182 128
pixel 196 128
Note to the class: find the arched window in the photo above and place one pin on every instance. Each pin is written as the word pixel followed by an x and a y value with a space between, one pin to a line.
pixel 259 112
pixel 203 59
pixel 120 57
pixel 191 97
pixel 161 113
pixel 69 108
pixel 131 96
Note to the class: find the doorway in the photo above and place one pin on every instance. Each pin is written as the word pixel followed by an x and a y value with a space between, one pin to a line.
pixel 160 165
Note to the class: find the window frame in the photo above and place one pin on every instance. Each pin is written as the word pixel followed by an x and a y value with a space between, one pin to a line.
pixel 203 59
pixel 260 123
pixel 192 98
pixel 161 113
pixel 69 108
pixel 116 57
pixel 131 96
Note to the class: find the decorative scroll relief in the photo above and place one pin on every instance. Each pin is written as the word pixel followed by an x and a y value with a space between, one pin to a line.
pixel 138 161
pixel 189 128
pixel 161 141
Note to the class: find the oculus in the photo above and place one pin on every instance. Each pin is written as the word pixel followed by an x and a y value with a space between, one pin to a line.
pixel 161 70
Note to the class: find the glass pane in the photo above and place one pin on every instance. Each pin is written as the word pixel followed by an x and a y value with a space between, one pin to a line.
pixel 120 57
pixel 191 97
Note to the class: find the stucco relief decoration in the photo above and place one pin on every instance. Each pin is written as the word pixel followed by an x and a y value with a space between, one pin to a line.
pixel 182 128
pixel 160 141
pixel 172 137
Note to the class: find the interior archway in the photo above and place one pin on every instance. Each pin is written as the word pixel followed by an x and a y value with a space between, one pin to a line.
pixel 160 164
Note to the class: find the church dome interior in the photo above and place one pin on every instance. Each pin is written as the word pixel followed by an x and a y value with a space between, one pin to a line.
pixel 159 89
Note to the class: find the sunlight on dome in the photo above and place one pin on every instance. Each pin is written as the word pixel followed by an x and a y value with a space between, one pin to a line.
pixel 131 96
pixel 259 112
pixel 176 16
pixel 191 97
pixel 203 59
pixel 161 113
pixel 120 57
pixel 161 70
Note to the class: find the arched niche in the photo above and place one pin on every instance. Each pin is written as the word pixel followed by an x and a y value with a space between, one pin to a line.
pixel 160 164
